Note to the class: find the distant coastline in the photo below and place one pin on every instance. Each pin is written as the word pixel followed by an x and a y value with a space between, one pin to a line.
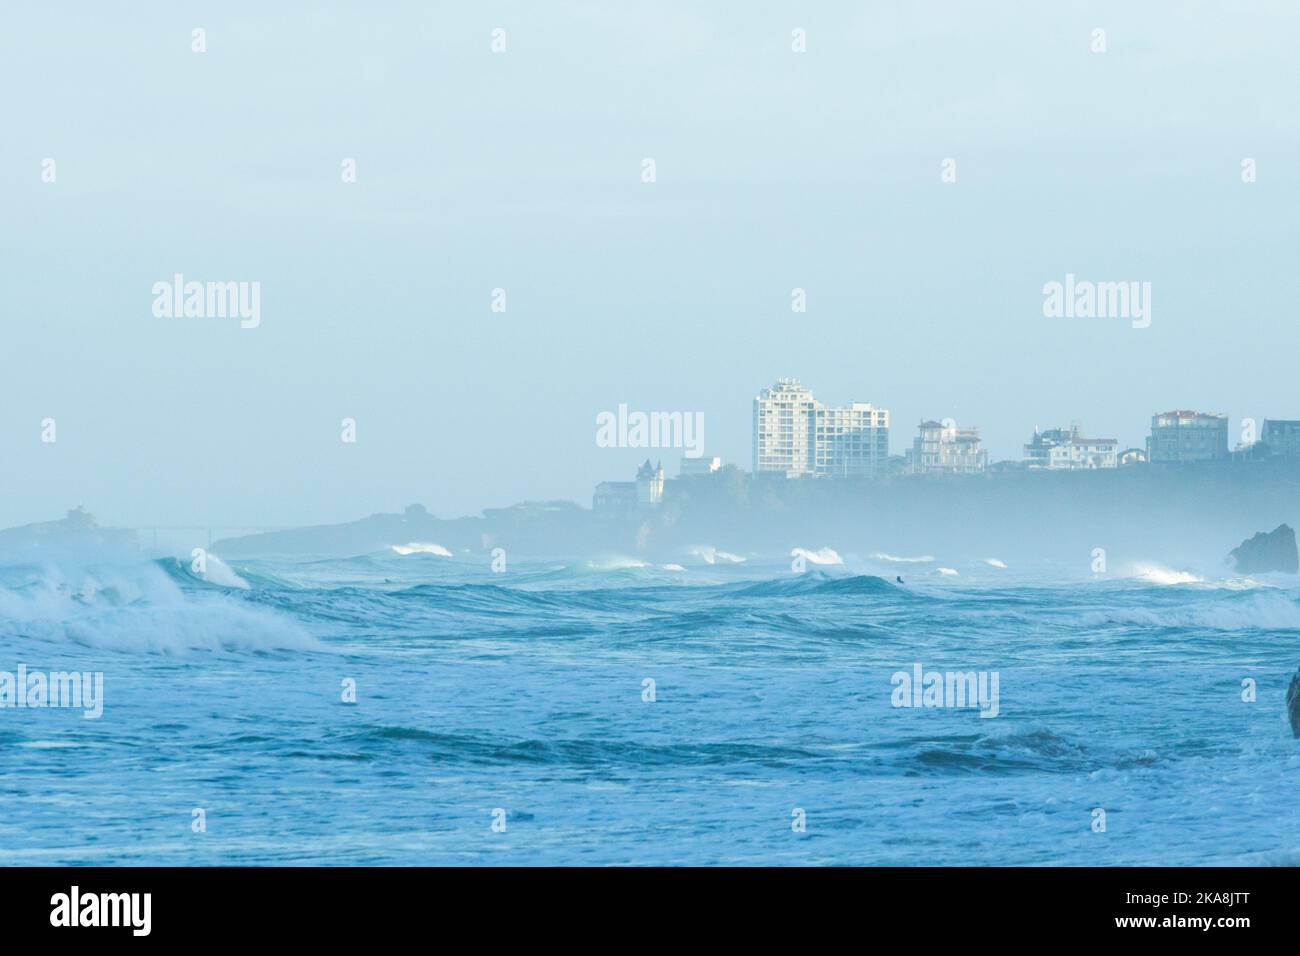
pixel 1152 511
pixel 1173 513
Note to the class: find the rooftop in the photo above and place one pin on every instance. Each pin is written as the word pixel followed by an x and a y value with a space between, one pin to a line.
pixel 1186 413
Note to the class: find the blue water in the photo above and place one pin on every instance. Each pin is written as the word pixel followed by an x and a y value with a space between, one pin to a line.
pixel 523 692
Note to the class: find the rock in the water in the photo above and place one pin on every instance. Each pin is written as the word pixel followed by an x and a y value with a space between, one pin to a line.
pixel 1274 551
pixel 1293 704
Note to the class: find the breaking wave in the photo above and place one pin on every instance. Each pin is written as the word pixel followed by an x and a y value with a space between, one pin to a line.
pixel 142 606
pixel 618 563
pixel 1159 574
pixel 711 555
pixel 420 547
pixel 817 582
pixel 820 556
pixel 1245 611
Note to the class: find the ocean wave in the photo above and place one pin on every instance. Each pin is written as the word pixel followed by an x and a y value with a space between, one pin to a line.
pixel 1159 574
pixel 216 572
pixel 1243 611
pixel 616 569
pixel 711 555
pixel 817 582
pixel 1280 857
pixel 136 605
pixel 1016 748
pixel 586 752
pixel 489 603
pixel 820 556
pixel 617 563
pixel 420 547
pixel 220 573
pixel 895 559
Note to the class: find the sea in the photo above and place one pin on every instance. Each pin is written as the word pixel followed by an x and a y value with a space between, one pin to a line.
pixel 422 707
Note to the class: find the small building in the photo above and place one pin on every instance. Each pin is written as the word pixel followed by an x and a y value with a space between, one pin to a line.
pixel 695 467
pixel 614 499
pixel 1281 438
pixel 1038 450
pixel 1061 449
pixel 1186 436
pixel 942 448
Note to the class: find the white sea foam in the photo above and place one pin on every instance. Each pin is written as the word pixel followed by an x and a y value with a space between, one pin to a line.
pixel 421 547
pixel 820 556
pixel 1151 572
pixel 134 605
pixel 995 563
pixel 921 559
pixel 711 555
pixel 949 572
pixel 1260 611
pixel 617 563
pixel 219 573
pixel 1159 574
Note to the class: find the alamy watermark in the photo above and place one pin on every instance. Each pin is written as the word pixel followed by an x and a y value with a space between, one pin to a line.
pixel 71 689
pixel 626 429
pixel 76 908
pixel 176 298
pixel 922 688
pixel 1084 299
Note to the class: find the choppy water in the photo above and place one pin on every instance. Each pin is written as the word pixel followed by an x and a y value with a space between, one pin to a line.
pixel 524 691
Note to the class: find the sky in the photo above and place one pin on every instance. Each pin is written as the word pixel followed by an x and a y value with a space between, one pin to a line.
pixel 522 170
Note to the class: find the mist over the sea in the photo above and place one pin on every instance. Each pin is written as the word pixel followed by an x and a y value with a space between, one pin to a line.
pixel 477 174
pixel 550 433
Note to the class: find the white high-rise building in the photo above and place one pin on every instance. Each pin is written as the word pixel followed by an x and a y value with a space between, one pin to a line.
pixel 796 436
pixel 783 429
pixel 851 441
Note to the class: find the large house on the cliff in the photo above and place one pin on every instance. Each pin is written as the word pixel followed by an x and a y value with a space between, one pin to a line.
pixel 621 498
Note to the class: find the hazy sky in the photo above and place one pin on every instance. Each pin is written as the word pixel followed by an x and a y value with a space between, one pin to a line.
pixel 522 171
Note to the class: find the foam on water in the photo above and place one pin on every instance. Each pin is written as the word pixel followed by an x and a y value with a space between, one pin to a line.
pixel 527 690
pixel 1250 611
pixel 421 547
pixel 136 605
pixel 711 555
pixel 820 556
pixel 1159 574
pixel 219 573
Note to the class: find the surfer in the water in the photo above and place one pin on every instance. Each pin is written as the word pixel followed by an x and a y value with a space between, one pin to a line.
pixel 898 578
